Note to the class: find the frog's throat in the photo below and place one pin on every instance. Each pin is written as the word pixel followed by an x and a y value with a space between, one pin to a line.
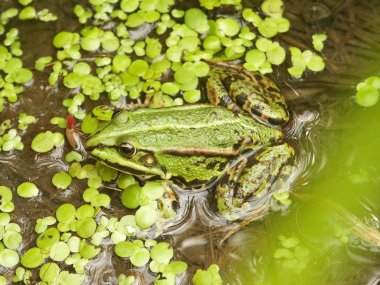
pixel 113 159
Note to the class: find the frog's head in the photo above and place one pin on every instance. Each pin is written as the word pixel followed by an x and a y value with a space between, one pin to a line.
pixel 114 145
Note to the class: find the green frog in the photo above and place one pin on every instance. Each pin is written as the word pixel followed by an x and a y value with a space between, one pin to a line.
pixel 235 141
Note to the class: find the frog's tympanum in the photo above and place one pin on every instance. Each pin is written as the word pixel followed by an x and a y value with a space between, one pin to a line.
pixel 236 139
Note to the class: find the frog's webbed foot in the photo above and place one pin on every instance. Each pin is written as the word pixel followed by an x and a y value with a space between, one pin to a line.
pixel 235 87
pixel 138 104
pixel 250 177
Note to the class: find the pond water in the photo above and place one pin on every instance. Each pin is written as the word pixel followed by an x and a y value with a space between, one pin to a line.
pixel 337 166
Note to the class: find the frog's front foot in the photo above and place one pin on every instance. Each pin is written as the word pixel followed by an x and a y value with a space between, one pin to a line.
pixel 251 176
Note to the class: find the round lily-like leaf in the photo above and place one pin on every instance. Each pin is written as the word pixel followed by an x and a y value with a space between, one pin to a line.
pixel 48 238
pixel 32 258
pixel 66 213
pixel 162 252
pixel 174 268
pixel 367 96
pixel 5 218
pixel 12 239
pixel 140 257
pixel 27 190
pixel 197 20
pixel 5 194
pixel 8 258
pixel 61 180
pixel 49 272
pixel 86 227
pixel 146 216
pixel 126 249
pixel 43 142
pixel 59 251
pixel 87 250
pixel 130 197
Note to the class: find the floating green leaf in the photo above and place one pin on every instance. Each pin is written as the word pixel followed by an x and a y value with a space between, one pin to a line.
pixel 86 227
pixel 367 96
pixel 9 258
pixel 196 19
pixel 61 180
pixel 32 258
pixel 49 272
pixel 130 196
pixel 59 251
pixel 209 276
pixel 162 252
pixel 48 238
pixel 27 190
pixel 66 213
pixel 146 216
pixel 12 239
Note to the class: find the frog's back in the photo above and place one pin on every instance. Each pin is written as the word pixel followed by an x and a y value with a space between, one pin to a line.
pixel 195 128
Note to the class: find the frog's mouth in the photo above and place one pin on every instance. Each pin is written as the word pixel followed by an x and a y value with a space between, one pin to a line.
pixel 111 157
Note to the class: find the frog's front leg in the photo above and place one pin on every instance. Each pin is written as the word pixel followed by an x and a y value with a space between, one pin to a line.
pixel 234 87
pixel 251 176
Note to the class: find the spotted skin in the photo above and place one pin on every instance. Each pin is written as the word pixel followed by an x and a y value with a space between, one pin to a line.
pixel 236 88
pixel 251 176
pixel 235 142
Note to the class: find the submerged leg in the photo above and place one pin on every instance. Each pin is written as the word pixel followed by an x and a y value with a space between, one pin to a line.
pixel 250 177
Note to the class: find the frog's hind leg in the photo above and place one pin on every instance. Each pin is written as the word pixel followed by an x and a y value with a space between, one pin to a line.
pixel 217 94
pixel 251 176
pixel 237 88
pixel 260 97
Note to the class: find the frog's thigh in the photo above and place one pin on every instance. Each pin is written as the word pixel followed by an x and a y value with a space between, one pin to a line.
pixel 218 95
pixel 251 176
pixel 262 100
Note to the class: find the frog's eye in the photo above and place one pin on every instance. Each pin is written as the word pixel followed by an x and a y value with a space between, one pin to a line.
pixel 148 160
pixel 127 149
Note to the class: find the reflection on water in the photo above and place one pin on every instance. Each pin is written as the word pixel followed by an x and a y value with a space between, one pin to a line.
pixel 345 174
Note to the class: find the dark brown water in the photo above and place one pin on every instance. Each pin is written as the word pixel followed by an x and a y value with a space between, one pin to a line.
pixel 318 129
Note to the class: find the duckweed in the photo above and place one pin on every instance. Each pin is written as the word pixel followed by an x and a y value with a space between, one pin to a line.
pixel 43 223
pixel 48 272
pixel 318 40
pixel 146 216
pixel 32 258
pixel 61 180
pixel 86 227
pixel 24 120
pixel 125 280
pixel 367 93
pixel 48 238
pixel 12 239
pixel 73 156
pixel 209 276
pixel 292 254
pixel 8 258
pixel 25 2
pixel 6 204
pixel 367 96
pixel 306 59
pixel 59 251
pixel 9 139
pixel 130 197
pixel 46 141
pixel 167 71
pixel 27 190
pixel 27 13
